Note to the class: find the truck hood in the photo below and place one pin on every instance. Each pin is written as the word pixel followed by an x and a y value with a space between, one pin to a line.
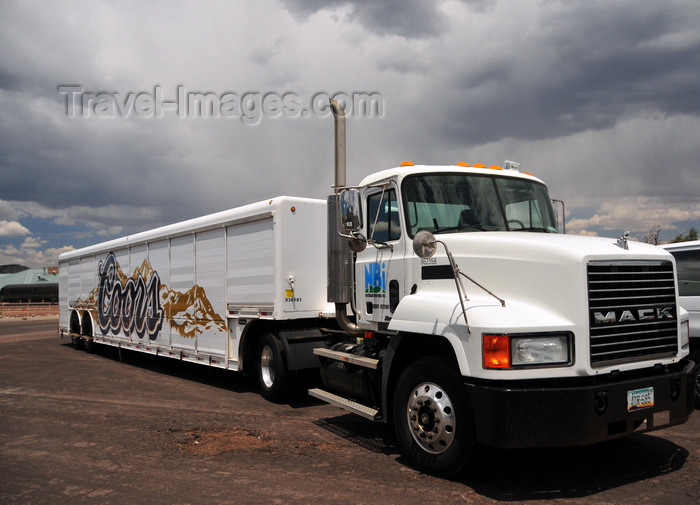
pixel 543 278
pixel 538 269
pixel 548 247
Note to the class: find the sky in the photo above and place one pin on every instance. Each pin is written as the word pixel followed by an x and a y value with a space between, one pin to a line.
pixel 118 116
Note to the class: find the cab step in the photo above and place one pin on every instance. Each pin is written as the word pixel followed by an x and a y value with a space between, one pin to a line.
pixel 345 404
pixel 347 358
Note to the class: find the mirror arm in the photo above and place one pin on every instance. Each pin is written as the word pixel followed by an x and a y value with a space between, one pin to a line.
pixel 380 245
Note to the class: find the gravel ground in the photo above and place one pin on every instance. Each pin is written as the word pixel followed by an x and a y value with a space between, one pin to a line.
pixel 81 428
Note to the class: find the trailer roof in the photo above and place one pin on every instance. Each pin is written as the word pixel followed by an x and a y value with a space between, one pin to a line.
pixel 246 213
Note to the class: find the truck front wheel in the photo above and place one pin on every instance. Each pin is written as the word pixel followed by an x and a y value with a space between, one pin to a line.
pixel 273 376
pixel 433 418
pixel 696 377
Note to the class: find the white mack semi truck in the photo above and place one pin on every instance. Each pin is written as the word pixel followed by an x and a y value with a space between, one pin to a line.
pixel 439 299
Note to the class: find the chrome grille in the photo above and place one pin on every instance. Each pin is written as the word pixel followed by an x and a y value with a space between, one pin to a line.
pixel 632 311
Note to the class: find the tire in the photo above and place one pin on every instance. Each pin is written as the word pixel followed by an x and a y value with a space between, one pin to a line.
pixel 433 419
pixel 90 345
pixel 696 377
pixel 75 340
pixel 273 376
pixel 86 331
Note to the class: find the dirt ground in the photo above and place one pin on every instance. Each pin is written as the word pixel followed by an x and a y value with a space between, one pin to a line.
pixel 13 311
pixel 79 428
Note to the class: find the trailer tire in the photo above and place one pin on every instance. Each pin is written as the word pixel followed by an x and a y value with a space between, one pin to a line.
pixel 75 339
pixel 273 376
pixel 433 419
pixel 76 342
pixel 86 331
pixel 90 345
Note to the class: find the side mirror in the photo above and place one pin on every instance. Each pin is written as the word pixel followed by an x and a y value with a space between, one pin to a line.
pixel 424 244
pixel 350 211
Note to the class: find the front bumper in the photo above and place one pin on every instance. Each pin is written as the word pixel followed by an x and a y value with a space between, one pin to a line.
pixel 581 412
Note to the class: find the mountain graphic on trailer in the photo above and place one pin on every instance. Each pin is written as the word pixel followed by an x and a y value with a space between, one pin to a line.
pixel 140 303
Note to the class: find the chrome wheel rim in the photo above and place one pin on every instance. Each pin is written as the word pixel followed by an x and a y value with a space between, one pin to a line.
pixel 431 418
pixel 266 367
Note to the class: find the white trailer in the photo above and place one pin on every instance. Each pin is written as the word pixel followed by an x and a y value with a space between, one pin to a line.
pixel 438 299
pixel 189 290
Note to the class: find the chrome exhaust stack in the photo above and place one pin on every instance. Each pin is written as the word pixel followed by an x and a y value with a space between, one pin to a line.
pixel 339 127
pixel 340 285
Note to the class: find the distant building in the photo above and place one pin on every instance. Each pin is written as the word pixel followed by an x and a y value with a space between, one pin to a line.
pixel 31 285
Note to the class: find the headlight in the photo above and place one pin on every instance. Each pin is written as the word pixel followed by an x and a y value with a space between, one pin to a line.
pixel 521 351
pixel 540 350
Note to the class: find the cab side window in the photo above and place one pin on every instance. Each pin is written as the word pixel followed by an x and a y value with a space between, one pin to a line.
pixel 383 216
pixel 688 265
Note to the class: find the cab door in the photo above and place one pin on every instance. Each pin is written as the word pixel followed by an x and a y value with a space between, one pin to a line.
pixel 380 267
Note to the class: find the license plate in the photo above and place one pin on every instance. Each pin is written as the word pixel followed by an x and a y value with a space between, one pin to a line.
pixel 640 399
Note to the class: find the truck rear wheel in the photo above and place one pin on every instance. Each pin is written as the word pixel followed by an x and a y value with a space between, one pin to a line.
pixel 273 375
pixel 433 419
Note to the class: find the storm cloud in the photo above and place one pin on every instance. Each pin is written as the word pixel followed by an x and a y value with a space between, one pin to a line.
pixel 598 98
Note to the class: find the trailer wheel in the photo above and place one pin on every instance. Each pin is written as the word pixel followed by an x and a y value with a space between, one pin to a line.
pixel 273 375
pixel 75 340
pixel 86 332
pixel 433 419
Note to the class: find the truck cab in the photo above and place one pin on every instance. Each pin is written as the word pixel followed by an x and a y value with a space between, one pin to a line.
pixel 451 202
pixel 498 267
pixel 464 298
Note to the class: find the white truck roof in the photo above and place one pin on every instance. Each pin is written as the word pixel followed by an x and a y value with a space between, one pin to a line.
pixel 404 171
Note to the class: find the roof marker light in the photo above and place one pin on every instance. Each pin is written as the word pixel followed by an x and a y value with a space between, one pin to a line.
pixel 463 164
pixel 511 165
pixel 495 167
pixel 407 164
pixel 479 165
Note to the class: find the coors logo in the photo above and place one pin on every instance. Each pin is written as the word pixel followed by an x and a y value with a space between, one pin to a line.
pixel 128 304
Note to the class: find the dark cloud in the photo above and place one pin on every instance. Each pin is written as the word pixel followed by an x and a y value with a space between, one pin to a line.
pixel 577 68
pixel 406 18
pixel 571 89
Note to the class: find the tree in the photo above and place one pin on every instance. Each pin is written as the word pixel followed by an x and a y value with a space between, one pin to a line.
pixel 652 236
pixel 692 235
pixel 12 269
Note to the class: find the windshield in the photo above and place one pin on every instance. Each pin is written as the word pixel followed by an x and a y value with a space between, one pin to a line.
pixel 449 203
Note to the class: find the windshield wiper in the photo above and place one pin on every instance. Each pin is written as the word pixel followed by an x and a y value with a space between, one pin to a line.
pixel 534 228
pixel 460 228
